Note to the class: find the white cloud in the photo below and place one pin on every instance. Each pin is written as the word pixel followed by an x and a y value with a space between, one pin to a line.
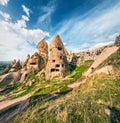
pixel 5 16
pixel 48 10
pixel 26 10
pixel 113 36
pixel 16 41
pixel 101 44
pixel 4 2
pixel 25 18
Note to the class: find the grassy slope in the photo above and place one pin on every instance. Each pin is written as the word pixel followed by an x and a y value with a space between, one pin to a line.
pixel 85 104
pixel 41 87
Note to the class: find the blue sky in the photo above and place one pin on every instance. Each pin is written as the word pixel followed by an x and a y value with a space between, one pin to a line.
pixel 82 24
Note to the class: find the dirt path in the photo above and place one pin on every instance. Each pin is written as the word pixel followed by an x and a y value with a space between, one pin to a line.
pixel 7 103
pixel 77 84
pixel 103 56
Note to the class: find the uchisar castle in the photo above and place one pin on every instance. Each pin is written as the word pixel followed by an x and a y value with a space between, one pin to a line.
pixel 55 61
pixel 52 59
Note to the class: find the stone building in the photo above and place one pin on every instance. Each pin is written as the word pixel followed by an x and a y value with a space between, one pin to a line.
pixel 57 63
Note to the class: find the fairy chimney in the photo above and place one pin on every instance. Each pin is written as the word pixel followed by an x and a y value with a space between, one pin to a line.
pixel 15 66
pixel 35 62
pixel 43 50
pixel 24 65
pixel 38 60
pixel 57 63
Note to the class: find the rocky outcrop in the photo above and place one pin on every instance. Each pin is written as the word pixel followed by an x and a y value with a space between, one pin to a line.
pixel 57 64
pixel 43 50
pixel 10 78
pixel 105 70
pixel 57 43
pixel 24 76
pixel 24 65
pixel 37 61
pixel 15 66
pixel 42 47
pixel 102 57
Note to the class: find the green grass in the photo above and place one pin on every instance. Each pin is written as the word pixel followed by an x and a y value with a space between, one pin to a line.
pixel 86 104
pixel 57 84
pixel 61 85
pixel 11 88
pixel 40 83
pixel 44 89
pixel 32 77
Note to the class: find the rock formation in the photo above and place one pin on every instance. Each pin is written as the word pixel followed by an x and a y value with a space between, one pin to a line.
pixel 43 49
pixel 15 66
pixel 37 61
pixel 57 63
pixel 10 78
pixel 24 65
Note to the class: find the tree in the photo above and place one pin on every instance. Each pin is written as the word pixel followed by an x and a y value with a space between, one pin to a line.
pixel 117 41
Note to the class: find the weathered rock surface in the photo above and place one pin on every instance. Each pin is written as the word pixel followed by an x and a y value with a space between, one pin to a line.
pixel 10 78
pixel 103 56
pixel 37 61
pixel 24 76
pixel 43 50
pixel 105 70
pixel 57 43
pixel 42 47
pixel 15 66
pixel 24 65
pixel 57 64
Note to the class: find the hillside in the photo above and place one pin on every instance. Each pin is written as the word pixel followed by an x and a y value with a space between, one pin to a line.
pixel 4 67
pixel 97 100
pixel 54 86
